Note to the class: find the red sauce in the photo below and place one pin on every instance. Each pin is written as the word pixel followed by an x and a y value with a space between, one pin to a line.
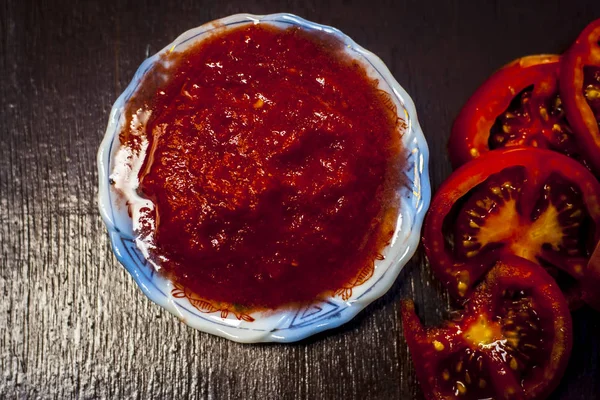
pixel 273 164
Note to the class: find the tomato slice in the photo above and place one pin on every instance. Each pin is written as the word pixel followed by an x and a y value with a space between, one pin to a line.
pixel 580 90
pixel 534 203
pixel 518 105
pixel 512 340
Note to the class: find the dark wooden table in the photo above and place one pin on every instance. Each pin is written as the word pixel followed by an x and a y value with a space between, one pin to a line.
pixel 73 324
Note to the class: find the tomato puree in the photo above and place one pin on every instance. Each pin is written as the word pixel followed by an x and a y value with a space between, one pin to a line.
pixel 273 166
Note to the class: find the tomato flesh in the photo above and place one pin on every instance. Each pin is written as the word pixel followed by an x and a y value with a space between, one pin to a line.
pixel 496 218
pixel 493 218
pixel 514 334
pixel 490 217
pixel 533 203
pixel 580 91
pixel 512 339
pixel 463 373
pixel 536 120
pixel 591 89
pixel 521 326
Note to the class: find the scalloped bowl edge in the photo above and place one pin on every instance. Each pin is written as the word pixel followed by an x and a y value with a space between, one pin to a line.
pixel 282 324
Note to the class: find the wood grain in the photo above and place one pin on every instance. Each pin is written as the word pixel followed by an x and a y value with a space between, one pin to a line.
pixel 72 322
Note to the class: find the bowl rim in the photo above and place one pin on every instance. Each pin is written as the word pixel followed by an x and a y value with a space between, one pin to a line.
pixel 330 316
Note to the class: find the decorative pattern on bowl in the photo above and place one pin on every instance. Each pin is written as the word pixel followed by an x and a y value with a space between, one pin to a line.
pixel 282 325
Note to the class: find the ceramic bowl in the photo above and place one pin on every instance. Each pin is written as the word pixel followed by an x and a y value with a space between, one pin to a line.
pixel 278 326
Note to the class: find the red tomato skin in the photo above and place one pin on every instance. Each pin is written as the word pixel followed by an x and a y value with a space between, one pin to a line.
pixel 471 129
pixel 584 51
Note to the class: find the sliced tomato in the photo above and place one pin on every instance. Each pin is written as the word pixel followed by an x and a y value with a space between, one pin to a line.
pixel 580 90
pixel 592 284
pixel 518 105
pixel 512 340
pixel 534 203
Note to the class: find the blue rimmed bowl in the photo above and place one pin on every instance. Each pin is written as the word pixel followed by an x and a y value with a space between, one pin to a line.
pixel 284 325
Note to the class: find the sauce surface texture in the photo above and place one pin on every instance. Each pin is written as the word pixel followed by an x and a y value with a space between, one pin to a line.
pixel 273 164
